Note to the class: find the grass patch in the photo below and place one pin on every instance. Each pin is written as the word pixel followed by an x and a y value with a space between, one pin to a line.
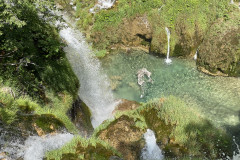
pixel 197 136
pixel 185 129
pixel 81 148
pixel 193 16
pixel 11 108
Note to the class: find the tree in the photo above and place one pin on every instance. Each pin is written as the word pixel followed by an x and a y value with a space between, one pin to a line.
pixel 27 40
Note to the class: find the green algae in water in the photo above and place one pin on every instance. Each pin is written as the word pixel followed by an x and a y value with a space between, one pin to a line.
pixel 218 98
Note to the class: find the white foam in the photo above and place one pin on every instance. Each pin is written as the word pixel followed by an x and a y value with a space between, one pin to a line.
pixel 95 88
pixel 36 147
pixel 151 151
pixel 168 60
pixel 102 4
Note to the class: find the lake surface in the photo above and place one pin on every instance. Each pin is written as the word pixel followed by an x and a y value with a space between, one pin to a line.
pixel 217 98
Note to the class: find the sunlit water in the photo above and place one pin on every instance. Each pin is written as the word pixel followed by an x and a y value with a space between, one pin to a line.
pixel 151 151
pixel 94 85
pixel 14 145
pixel 36 147
pixel 218 98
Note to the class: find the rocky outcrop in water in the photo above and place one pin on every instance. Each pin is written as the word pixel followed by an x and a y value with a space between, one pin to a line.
pixel 123 135
pixel 219 54
pixel 81 117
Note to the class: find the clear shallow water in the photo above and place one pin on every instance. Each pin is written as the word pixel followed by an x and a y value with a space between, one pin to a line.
pixel 218 98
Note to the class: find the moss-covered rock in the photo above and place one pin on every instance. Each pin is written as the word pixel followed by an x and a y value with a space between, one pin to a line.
pixel 141 24
pixel 80 148
pixel 81 117
pixel 123 135
pixel 180 131
pixel 219 54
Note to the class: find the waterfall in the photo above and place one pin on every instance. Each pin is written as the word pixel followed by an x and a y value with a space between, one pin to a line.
pixel 36 147
pixel 195 56
pixel 151 151
pixel 102 4
pixel 168 60
pixel 95 88
pixel 231 2
pixel 236 155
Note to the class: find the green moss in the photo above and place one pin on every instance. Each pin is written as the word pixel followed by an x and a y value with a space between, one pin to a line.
pixel 101 53
pixel 187 21
pixel 13 108
pixel 220 50
pixel 186 128
pixel 83 149
pixel 87 116
pixel 59 106
pixel 180 129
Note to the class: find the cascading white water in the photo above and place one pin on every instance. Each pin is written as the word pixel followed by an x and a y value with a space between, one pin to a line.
pixel 102 4
pixel 151 151
pixel 95 88
pixel 236 154
pixel 168 60
pixel 195 56
pixel 10 143
pixel 35 147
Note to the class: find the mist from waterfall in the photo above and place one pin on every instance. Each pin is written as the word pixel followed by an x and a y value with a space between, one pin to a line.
pixel 236 154
pixel 17 146
pixel 95 88
pixel 168 60
pixel 36 147
pixel 151 151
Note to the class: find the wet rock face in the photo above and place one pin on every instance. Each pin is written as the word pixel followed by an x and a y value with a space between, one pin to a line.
pixel 184 40
pixel 219 54
pixel 134 33
pixel 187 42
pixel 125 137
pixel 81 117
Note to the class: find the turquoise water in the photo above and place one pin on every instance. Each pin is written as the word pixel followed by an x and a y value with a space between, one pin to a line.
pixel 217 98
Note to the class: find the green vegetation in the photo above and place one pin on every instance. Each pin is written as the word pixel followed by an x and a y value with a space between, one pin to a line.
pixel 33 65
pixel 188 21
pixel 81 148
pixel 12 109
pixel 197 136
pixel 101 53
pixel 183 128
pixel 223 40
pixel 31 51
